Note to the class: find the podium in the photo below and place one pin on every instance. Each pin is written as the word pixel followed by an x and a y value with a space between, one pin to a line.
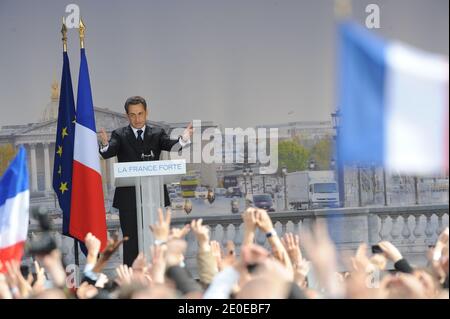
pixel 147 178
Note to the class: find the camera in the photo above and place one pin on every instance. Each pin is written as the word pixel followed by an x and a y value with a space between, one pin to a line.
pixel 376 249
pixel 44 243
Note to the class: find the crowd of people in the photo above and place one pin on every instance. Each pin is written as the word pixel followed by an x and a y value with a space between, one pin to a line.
pixel 253 272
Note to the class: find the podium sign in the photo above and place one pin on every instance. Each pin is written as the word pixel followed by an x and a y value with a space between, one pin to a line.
pixel 147 178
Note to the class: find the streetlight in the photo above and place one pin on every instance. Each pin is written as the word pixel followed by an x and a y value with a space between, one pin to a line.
pixel 333 163
pixel 264 183
pixel 250 173
pixel 336 117
pixel 245 173
pixel 284 171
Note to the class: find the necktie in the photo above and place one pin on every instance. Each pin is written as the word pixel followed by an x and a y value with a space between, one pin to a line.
pixel 139 137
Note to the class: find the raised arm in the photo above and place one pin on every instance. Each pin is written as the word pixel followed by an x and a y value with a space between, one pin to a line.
pixel 109 148
pixel 167 144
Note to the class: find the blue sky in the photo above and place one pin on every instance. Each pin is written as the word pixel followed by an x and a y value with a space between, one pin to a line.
pixel 235 62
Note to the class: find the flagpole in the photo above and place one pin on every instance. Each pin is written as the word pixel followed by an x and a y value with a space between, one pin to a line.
pixel 75 251
pixel 81 29
pixel 64 34
pixel 64 40
pixel 81 32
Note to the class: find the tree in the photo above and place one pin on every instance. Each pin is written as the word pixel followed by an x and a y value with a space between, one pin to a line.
pixel 293 156
pixel 321 154
pixel 7 153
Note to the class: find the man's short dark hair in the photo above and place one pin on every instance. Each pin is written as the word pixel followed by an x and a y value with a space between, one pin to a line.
pixel 135 100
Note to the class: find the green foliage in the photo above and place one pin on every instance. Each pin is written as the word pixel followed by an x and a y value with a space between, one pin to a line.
pixel 293 156
pixel 321 154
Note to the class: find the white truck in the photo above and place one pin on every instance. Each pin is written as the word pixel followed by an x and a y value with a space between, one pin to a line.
pixel 312 189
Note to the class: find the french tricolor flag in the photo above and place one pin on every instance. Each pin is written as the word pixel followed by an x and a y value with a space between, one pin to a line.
pixel 393 102
pixel 14 209
pixel 87 213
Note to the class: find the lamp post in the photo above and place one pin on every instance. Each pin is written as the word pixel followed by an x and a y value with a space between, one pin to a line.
pixel 250 173
pixel 359 187
pixel 284 171
pixel 416 190
pixel 245 173
pixel 384 188
pixel 312 165
pixel 333 163
pixel 339 167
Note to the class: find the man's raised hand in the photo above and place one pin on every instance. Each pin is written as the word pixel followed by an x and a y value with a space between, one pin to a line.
pixel 103 137
pixel 188 132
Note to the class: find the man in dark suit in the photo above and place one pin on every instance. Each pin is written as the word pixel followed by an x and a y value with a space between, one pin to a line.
pixel 136 142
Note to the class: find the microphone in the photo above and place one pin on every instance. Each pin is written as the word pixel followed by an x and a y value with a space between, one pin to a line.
pixel 147 157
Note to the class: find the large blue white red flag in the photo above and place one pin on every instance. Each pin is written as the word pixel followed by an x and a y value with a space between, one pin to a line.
pixel 87 212
pixel 394 106
pixel 14 209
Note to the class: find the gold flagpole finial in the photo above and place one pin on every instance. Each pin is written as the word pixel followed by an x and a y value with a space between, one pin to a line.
pixel 64 34
pixel 342 9
pixel 81 29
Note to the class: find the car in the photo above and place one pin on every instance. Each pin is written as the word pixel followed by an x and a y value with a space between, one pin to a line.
pixel 234 192
pixel 177 203
pixel 263 201
pixel 220 191
pixel 201 192
pixel 172 195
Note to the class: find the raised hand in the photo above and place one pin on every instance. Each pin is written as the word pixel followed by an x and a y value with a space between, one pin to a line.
pixel 93 247
pixel 390 251
pixel 201 233
pixel 139 265
pixel 52 262
pixel 263 220
pixel 5 292
pixel 124 275
pixel 439 256
pixel 103 137
pixel 323 256
pixel 111 248
pixel 179 233
pixel 161 230
pixel 443 237
pixel 40 278
pixel 360 262
pixel 216 251
pixel 292 244
pixel 188 132
pixel 16 279
pixel 250 223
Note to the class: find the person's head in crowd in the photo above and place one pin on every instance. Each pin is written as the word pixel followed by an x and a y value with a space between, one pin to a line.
pixel 51 293
pixel 155 291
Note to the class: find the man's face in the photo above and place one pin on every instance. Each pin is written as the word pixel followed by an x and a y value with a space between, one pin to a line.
pixel 137 115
